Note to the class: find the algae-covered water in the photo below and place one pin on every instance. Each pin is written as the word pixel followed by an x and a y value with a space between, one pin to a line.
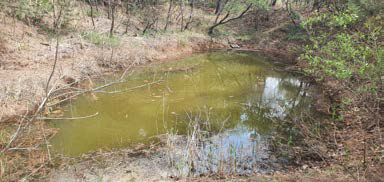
pixel 236 95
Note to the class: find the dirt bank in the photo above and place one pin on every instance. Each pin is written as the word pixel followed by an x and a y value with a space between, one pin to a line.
pixel 27 58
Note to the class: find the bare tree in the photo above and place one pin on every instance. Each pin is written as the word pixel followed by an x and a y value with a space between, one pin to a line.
pixel 112 8
pixel 167 21
pixel 226 18
pixel 182 15
pixel 190 18
pixel 92 3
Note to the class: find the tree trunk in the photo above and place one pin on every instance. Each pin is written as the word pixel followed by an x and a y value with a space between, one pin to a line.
pixel 289 10
pixel 192 2
pixel 168 15
pixel 218 5
pixel 112 8
pixel 90 2
pixel 226 19
pixel 182 16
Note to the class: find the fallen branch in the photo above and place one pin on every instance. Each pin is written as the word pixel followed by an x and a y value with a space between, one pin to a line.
pixel 98 90
pixel 71 118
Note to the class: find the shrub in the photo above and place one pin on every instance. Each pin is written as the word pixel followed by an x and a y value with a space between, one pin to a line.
pixel 345 46
pixel 32 11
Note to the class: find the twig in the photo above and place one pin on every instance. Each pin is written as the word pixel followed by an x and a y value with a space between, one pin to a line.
pixel 14 136
pixel 46 144
pixel 18 148
pixel 54 66
pixel 97 90
pixel 71 118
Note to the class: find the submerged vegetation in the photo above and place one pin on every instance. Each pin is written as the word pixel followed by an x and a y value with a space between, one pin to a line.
pixel 53 53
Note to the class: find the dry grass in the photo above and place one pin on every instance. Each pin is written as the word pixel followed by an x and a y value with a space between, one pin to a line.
pixel 28 159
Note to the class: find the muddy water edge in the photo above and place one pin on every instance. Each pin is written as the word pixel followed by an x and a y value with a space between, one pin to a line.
pixel 211 113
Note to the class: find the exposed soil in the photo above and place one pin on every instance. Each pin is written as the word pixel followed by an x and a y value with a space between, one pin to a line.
pixel 27 58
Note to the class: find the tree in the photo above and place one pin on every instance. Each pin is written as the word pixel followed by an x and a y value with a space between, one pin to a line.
pixel 190 20
pixel 112 4
pixel 92 3
pixel 167 21
pixel 225 9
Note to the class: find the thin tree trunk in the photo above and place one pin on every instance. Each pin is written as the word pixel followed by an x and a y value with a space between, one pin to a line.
pixel 113 7
pixel 192 2
pixel 92 17
pixel 168 15
pixel 182 16
pixel 218 5
pixel 109 9
pixel 226 19
pixel 289 10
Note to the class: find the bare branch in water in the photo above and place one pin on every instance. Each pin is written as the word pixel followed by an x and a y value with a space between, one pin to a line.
pixel 71 118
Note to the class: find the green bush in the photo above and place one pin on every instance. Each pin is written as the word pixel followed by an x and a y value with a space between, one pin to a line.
pixel 345 45
pixel 32 11
pixel 295 32
pixel 244 37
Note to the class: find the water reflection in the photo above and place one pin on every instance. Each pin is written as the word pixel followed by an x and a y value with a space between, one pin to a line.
pixel 237 94
pixel 243 147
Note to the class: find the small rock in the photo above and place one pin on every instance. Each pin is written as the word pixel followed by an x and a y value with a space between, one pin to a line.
pixel 234 45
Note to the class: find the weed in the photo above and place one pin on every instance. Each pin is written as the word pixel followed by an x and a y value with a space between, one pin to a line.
pixel 100 39
pixel 95 13
pixel 244 37
pixel 296 32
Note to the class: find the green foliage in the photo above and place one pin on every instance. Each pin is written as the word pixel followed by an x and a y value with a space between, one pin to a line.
pixel 243 37
pixel 95 13
pixel 262 5
pixel 240 5
pixel 371 6
pixel 100 39
pixel 295 32
pixel 342 19
pixel 33 11
pixel 345 46
pixel 65 7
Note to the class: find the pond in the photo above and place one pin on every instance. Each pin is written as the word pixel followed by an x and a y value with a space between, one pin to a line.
pixel 230 98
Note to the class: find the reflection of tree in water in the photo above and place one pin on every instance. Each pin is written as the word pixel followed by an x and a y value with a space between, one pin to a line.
pixel 296 99
pixel 258 118
pixel 257 110
pixel 260 111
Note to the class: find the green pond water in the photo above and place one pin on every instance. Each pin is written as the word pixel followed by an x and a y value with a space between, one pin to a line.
pixel 236 94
